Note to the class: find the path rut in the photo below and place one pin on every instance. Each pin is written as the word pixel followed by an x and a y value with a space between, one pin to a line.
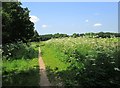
pixel 43 75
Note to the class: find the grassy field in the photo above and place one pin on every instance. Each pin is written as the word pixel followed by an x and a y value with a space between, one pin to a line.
pixel 20 65
pixel 84 62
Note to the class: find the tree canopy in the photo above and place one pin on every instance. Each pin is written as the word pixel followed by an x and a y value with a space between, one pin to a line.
pixel 16 24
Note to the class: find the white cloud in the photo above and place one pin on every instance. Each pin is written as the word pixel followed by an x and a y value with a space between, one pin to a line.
pixel 86 20
pixel 44 26
pixel 97 25
pixel 34 19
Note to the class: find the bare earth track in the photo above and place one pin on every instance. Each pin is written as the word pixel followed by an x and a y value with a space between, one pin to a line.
pixel 43 76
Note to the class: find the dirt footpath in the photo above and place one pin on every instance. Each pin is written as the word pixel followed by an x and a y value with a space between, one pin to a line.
pixel 43 76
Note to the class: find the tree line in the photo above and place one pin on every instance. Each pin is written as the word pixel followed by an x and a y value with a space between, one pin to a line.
pixel 75 35
pixel 16 26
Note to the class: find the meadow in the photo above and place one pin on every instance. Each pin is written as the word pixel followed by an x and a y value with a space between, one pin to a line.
pixel 70 62
pixel 87 60
pixel 20 65
pixel 83 62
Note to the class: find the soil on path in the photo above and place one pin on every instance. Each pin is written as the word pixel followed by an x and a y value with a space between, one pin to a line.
pixel 43 76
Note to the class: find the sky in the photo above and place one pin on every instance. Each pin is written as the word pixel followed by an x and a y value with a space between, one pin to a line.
pixel 73 17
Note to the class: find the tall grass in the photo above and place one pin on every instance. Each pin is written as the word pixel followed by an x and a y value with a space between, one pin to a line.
pixel 20 65
pixel 86 62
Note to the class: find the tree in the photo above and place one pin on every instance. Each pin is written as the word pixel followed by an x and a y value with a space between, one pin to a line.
pixel 75 35
pixel 36 37
pixel 16 24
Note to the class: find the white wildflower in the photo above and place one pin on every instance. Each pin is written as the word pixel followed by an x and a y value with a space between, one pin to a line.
pixel 116 69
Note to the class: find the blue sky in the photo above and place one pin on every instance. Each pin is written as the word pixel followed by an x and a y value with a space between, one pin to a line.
pixel 73 17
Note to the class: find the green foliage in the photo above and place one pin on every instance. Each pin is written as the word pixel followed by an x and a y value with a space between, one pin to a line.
pixel 75 35
pixel 50 36
pixel 20 72
pixel 49 55
pixel 46 37
pixel 20 65
pixel 18 51
pixel 16 24
pixel 36 37
pixel 92 62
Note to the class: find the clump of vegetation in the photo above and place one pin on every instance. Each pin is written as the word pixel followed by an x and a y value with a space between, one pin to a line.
pixel 89 62
pixel 21 73
pixel 18 50
pixel 20 58
pixel 20 65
